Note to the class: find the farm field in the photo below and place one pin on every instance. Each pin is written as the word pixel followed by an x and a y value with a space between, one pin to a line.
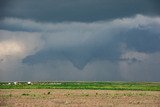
pixel 80 94
pixel 77 98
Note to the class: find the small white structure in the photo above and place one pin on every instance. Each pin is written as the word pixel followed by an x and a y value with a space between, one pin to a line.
pixel 9 83
pixel 15 83
pixel 29 83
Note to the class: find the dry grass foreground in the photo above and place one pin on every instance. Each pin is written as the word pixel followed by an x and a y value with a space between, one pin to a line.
pixel 77 98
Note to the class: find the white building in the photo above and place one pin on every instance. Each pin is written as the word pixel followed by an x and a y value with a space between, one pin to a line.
pixel 29 83
pixel 15 83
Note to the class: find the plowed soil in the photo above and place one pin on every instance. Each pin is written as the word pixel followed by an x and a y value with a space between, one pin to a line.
pixel 77 98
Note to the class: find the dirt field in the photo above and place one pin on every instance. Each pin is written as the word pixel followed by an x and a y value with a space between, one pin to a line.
pixel 77 98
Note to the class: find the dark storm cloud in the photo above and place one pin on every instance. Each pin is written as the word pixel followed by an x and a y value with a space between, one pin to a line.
pixel 80 40
pixel 81 43
pixel 141 41
pixel 77 10
pixel 121 49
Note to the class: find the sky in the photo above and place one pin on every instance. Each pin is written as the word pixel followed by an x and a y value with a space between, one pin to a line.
pixel 79 40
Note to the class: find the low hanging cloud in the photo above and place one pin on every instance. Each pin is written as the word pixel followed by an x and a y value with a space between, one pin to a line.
pixel 121 45
pixel 81 43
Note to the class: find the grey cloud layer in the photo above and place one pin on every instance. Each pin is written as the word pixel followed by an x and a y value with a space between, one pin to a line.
pixel 76 10
pixel 102 50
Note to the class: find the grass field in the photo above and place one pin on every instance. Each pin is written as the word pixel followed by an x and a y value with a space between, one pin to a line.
pixel 144 86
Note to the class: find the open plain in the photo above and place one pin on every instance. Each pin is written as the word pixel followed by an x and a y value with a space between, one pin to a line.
pixel 78 98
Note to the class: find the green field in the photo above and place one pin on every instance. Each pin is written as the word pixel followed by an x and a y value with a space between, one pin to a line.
pixel 145 86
